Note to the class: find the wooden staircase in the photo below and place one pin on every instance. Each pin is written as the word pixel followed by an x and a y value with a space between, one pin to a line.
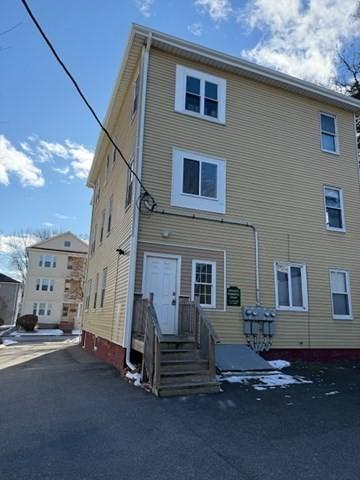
pixel 182 364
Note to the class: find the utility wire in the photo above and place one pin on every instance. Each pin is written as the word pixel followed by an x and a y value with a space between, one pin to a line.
pixel 66 70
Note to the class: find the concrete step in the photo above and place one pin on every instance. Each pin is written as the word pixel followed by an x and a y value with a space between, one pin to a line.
pixel 177 365
pixel 188 389
pixel 189 376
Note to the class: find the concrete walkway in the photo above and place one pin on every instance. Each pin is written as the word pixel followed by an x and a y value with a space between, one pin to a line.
pixel 65 415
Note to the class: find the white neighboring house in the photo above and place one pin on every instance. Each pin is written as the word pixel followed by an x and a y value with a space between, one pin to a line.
pixel 54 282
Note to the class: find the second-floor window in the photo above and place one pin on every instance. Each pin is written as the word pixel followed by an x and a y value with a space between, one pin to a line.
pixel 102 226
pixel 200 94
pixel 42 309
pixel 334 209
pixel 329 137
pixel 45 285
pixel 340 294
pixel 198 182
pixel 291 286
pixel 47 261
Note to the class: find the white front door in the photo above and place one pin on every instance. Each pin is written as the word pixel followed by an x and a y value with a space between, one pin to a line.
pixel 160 278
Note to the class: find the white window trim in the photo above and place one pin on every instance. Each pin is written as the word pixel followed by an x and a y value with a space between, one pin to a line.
pixel 305 306
pixel 47 305
pixel 196 202
pixel 348 291
pixel 41 282
pixel 340 190
pixel 180 91
pixel 42 258
pixel 337 146
pixel 193 271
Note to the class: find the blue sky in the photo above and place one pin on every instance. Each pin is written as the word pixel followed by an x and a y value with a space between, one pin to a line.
pixel 46 134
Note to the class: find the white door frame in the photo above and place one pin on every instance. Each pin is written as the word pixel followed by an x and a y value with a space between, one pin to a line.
pixel 178 278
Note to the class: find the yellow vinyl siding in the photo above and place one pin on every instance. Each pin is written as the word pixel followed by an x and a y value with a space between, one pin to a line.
pixel 275 175
pixel 108 322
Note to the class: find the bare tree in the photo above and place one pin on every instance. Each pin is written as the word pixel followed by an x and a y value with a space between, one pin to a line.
pixel 18 243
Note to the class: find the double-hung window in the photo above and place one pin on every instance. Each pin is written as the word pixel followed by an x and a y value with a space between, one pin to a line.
pixel 198 182
pixel 96 290
pixel 107 166
pixel 334 209
pixel 204 282
pixel 340 295
pixel 329 136
pixel 47 261
pixel 200 94
pixel 110 213
pixel 102 226
pixel 42 309
pixel 290 286
pixel 44 285
pixel 129 185
pixel 103 287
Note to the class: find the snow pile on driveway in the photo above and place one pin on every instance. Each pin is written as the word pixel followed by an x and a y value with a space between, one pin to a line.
pixel 264 381
pixel 7 342
pixel 44 331
pixel 135 378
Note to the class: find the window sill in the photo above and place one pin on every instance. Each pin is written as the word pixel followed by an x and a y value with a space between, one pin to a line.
pixel 292 309
pixel 330 151
pixel 343 317
pixel 201 117
pixel 333 229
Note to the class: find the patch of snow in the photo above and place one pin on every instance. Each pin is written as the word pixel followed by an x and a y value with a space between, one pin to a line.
pixel 279 364
pixel 135 378
pixel 76 332
pixel 263 382
pixel 7 342
pixel 43 331
pixel 335 392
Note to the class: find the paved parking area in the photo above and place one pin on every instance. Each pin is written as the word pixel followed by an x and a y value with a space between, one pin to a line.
pixel 65 415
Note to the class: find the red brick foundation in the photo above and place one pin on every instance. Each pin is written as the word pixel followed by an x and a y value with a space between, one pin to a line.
pixel 107 351
pixel 314 354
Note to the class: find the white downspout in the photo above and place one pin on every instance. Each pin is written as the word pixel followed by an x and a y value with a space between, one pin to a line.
pixel 135 227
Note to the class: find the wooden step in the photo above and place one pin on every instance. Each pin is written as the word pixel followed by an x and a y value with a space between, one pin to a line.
pixel 180 354
pixel 172 365
pixel 178 345
pixel 189 376
pixel 188 389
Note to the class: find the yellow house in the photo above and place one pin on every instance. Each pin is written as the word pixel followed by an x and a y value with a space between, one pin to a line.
pixel 249 204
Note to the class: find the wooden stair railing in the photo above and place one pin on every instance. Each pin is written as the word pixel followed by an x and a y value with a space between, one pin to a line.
pixel 151 359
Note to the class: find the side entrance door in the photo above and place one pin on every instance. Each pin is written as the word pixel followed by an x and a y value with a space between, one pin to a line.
pixel 160 278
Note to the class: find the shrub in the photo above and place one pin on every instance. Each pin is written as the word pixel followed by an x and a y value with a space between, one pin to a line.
pixel 27 322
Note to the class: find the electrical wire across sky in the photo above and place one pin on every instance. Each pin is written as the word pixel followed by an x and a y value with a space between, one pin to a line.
pixel 145 193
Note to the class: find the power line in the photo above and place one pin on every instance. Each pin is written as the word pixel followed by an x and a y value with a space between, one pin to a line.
pixel 76 85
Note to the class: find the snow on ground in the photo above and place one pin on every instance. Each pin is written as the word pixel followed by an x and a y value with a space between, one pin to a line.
pixel 264 381
pixel 43 331
pixel 76 332
pixel 135 378
pixel 335 392
pixel 279 364
pixel 7 342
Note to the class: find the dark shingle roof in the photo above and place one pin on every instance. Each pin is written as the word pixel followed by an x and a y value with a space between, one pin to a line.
pixel 6 279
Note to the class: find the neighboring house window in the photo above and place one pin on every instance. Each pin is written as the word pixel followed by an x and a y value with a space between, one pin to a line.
pixel 107 165
pixel 110 213
pixel 96 290
pixel 47 261
pixel 45 285
pixel 135 96
pixel 103 287
pixel 334 210
pixel 129 185
pixel 204 282
pixel 198 182
pixel 93 240
pixel 290 286
pixel 102 226
pixel 88 294
pixel 340 295
pixel 329 137
pixel 114 156
pixel 67 243
pixel 42 309
pixel 200 94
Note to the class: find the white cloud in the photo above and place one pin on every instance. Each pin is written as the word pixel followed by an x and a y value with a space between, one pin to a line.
pixel 217 9
pixel 144 6
pixel 48 224
pixel 77 156
pixel 196 29
pixel 301 38
pixel 18 163
pixel 9 243
pixel 60 216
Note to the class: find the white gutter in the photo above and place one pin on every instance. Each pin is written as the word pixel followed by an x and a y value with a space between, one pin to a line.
pixel 136 212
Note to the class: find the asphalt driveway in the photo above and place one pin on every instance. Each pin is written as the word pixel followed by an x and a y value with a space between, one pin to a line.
pixel 65 415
